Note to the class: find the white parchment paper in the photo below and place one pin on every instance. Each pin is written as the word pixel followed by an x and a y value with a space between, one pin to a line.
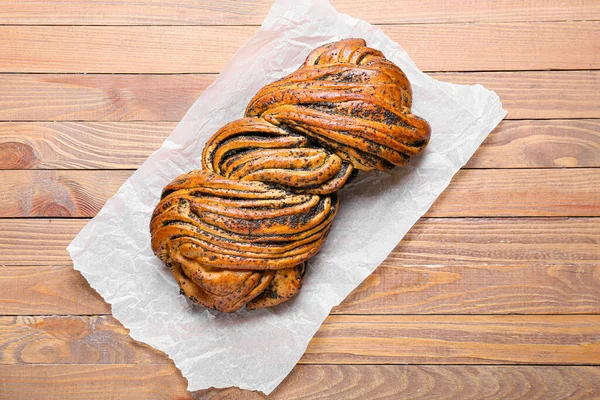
pixel 256 350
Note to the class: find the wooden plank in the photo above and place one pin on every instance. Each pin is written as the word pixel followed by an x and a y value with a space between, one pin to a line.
pixel 429 382
pixel 99 97
pixel 72 340
pixel 102 49
pixel 45 290
pixel 474 289
pixel 539 95
pixel 351 339
pixel 37 242
pixel 531 144
pixel 437 242
pixel 516 46
pixel 456 339
pixel 443 266
pixel 252 12
pixel 525 192
pixel 100 382
pixel 87 145
pixel 525 288
pixel 443 382
pixel 175 49
pixel 125 145
pixel 500 243
pixel 448 11
pixel 57 193
pixel 502 192
pixel 26 97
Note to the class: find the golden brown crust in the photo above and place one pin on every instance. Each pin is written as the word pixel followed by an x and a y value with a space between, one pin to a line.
pixel 284 285
pixel 246 290
pixel 251 149
pixel 252 228
pixel 239 232
pixel 350 99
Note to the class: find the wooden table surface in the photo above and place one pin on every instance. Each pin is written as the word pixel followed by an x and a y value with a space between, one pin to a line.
pixel 511 309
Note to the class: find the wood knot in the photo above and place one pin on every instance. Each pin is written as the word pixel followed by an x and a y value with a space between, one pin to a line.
pixel 55 210
pixel 15 155
pixel 64 329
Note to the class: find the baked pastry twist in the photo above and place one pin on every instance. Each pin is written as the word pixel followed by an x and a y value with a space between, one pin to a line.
pixel 240 231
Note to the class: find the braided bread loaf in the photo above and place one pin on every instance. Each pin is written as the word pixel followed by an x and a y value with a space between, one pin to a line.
pixel 240 231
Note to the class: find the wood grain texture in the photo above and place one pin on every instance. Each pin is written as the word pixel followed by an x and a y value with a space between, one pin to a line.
pixel 557 192
pixel 44 290
pixel 442 382
pixel 427 382
pixel 342 339
pixel 101 382
pixel 539 94
pixel 102 49
pixel 99 97
pixel 530 144
pixel 69 97
pixel 499 47
pixel 125 145
pixel 519 288
pixel 176 49
pixel 37 242
pixel 443 266
pixel 456 339
pixel 244 12
pixel 87 145
pixel 71 340
pixel 475 289
pixel 500 242
pixel 433 242
pixel 524 192
pixel 59 193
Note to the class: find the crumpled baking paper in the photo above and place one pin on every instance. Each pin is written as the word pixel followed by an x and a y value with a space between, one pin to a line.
pixel 256 350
